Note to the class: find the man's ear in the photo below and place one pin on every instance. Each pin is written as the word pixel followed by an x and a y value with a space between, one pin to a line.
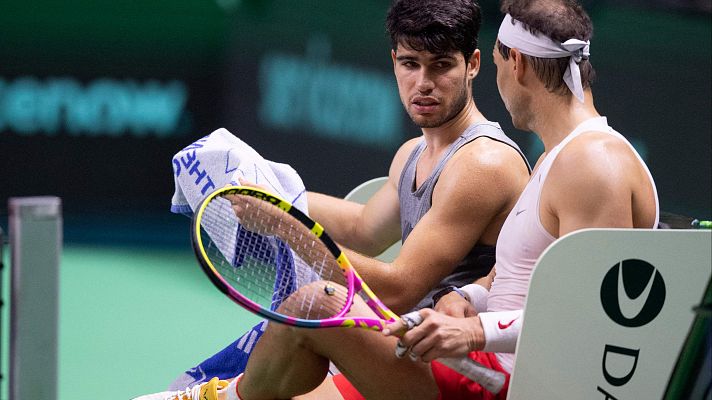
pixel 473 65
pixel 520 64
pixel 393 57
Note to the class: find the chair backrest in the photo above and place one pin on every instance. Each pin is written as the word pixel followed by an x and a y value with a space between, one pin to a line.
pixel 361 194
pixel 607 313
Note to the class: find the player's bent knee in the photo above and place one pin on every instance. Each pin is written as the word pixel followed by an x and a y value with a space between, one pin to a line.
pixel 315 301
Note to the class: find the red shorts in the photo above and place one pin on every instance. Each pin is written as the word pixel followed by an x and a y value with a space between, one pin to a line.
pixel 347 390
pixel 452 386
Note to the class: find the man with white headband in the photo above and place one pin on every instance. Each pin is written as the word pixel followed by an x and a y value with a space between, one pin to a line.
pixel 515 34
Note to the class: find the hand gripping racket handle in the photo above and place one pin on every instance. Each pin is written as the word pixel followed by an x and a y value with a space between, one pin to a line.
pixel 493 381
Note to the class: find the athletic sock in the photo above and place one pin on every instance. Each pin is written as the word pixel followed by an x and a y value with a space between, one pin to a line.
pixel 232 393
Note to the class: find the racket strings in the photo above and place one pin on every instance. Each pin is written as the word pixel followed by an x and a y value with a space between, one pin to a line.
pixel 317 270
pixel 271 258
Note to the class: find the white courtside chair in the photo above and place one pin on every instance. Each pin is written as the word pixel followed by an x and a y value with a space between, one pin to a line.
pixel 607 313
pixel 361 194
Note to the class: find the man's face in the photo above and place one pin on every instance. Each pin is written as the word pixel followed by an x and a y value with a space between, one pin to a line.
pixel 433 88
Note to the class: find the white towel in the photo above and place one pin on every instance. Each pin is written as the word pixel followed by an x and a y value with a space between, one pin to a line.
pixel 220 159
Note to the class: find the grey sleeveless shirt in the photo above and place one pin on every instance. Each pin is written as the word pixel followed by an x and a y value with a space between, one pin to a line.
pixel 415 202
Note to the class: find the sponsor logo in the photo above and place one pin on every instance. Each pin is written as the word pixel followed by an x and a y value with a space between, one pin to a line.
pixel 632 293
pixel 505 326
pixel 102 107
pixel 314 94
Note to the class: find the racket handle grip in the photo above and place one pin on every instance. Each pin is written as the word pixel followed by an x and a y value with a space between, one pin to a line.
pixel 493 381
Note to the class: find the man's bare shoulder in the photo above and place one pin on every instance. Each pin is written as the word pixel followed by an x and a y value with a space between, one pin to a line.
pixel 596 153
pixel 595 165
pixel 406 148
pixel 488 155
pixel 484 171
pixel 401 157
pixel 597 181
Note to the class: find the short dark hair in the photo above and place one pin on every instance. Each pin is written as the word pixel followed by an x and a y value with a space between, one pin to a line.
pixel 437 26
pixel 559 20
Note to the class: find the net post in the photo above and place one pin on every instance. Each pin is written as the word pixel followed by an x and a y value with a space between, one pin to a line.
pixel 35 227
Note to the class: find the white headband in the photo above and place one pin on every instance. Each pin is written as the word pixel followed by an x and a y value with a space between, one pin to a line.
pixel 513 34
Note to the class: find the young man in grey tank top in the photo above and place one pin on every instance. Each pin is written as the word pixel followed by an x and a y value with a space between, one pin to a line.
pixel 448 190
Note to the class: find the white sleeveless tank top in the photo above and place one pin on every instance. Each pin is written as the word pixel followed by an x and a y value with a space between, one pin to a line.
pixel 523 238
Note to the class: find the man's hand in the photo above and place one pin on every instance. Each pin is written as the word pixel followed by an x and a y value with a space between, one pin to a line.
pixel 454 305
pixel 440 335
pixel 246 207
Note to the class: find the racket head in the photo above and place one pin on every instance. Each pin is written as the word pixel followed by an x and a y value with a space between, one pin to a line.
pixel 244 255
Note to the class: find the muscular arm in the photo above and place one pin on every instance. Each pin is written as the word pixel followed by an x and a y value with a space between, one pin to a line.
pixel 591 185
pixel 368 228
pixel 478 186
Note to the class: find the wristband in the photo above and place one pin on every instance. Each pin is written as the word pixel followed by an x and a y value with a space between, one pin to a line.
pixel 501 330
pixel 477 295
pixel 442 292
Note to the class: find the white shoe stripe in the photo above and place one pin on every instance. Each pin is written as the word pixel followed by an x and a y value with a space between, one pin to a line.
pixel 251 342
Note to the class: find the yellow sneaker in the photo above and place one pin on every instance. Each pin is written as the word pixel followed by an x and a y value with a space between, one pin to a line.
pixel 212 390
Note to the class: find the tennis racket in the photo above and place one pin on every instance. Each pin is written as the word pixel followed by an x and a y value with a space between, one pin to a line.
pixel 276 262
